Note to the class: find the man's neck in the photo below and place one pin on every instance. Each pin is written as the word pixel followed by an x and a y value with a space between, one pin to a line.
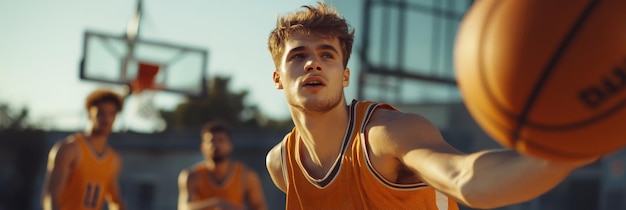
pixel 97 140
pixel 218 169
pixel 321 128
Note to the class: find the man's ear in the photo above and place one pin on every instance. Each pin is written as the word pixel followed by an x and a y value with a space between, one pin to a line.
pixel 277 83
pixel 346 77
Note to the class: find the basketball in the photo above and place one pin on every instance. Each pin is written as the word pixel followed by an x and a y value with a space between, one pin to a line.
pixel 546 78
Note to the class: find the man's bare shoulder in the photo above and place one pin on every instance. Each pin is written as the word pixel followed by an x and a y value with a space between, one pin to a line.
pixel 273 159
pixel 387 121
pixel 274 164
pixel 385 115
pixel 275 152
pixel 65 147
pixel 63 154
pixel 245 167
pixel 249 173
pixel 391 127
pixel 189 174
pixel 71 141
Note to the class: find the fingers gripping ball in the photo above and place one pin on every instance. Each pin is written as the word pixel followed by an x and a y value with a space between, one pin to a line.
pixel 546 78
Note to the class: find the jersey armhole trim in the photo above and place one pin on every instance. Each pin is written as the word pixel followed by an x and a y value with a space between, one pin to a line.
pixel 370 166
pixel 283 158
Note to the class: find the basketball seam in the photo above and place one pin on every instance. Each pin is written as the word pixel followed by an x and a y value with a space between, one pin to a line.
pixel 522 119
pixel 483 77
pixel 482 74
pixel 579 124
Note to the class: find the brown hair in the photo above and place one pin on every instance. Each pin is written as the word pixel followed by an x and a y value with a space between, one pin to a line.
pixel 215 126
pixel 323 21
pixel 103 95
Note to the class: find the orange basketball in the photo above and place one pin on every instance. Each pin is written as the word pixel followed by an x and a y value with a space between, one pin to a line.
pixel 546 78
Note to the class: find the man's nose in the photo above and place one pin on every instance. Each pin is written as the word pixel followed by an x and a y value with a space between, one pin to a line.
pixel 312 64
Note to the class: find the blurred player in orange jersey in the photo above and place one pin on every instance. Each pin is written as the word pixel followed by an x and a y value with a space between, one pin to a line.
pixel 219 182
pixel 83 170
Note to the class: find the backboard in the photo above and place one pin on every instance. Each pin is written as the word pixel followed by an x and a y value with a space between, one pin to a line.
pixel 115 59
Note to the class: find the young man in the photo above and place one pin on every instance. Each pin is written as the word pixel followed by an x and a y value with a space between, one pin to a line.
pixel 83 169
pixel 219 182
pixel 371 156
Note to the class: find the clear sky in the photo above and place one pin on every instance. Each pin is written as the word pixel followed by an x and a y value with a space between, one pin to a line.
pixel 41 45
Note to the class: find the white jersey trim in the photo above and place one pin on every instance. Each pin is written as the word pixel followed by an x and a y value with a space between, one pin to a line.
pixel 334 171
pixel 441 200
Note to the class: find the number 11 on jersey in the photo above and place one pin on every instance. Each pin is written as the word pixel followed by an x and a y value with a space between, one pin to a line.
pixel 91 195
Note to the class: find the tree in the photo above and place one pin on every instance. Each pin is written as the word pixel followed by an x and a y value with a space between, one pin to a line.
pixel 218 103
pixel 10 122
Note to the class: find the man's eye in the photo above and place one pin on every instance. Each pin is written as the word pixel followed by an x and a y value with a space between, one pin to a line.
pixel 327 55
pixel 297 56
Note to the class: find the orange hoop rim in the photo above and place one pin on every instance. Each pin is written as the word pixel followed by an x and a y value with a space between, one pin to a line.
pixel 146 77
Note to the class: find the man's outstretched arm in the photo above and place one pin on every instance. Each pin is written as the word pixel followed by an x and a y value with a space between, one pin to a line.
pixel 486 179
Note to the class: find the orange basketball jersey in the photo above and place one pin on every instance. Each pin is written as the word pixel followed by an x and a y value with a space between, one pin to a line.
pixel 352 182
pixel 231 189
pixel 89 180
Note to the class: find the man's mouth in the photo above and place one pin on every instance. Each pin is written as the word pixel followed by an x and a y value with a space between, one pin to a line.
pixel 313 82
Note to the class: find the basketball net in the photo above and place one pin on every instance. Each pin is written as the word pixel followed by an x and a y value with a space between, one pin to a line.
pixel 144 116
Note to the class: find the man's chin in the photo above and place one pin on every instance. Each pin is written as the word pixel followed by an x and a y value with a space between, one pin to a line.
pixel 102 131
pixel 219 159
pixel 320 106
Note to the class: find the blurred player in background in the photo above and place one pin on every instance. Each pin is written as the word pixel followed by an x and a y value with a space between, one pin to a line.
pixel 83 170
pixel 218 182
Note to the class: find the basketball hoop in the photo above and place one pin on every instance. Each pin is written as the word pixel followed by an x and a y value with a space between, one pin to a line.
pixel 144 115
pixel 143 67
pixel 146 77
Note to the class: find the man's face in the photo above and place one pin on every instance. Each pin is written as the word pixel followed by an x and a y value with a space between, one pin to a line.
pixel 216 146
pixel 102 116
pixel 312 73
